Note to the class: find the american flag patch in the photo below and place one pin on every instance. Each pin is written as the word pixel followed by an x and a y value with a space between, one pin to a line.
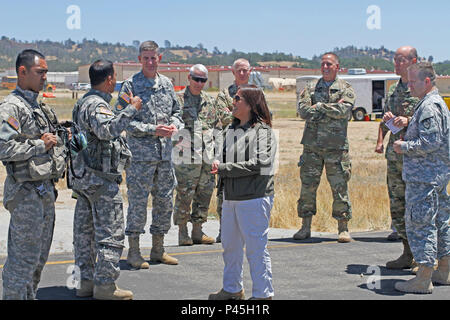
pixel 14 123
pixel 126 97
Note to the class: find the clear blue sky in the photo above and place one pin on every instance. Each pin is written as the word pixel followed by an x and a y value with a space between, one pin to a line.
pixel 300 27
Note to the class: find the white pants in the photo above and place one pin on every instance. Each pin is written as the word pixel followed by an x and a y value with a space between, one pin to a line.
pixel 247 223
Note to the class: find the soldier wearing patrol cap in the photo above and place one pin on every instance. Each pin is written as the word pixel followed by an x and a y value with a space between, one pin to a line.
pixel 325 104
pixel 98 220
pixel 34 159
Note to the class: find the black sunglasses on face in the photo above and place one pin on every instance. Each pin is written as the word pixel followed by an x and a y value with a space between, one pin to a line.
pixel 196 79
pixel 237 98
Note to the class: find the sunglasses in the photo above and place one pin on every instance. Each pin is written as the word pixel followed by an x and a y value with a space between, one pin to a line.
pixel 196 79
pixel 237 98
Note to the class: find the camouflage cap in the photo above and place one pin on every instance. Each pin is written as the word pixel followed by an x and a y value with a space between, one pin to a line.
pixel 148 46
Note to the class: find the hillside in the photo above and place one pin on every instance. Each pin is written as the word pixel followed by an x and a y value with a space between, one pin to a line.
pixel 68 55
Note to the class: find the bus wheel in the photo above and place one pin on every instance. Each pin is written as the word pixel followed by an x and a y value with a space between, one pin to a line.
pixel 359 114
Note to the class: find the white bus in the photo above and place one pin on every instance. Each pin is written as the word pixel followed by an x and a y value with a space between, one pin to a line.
pixel 371 91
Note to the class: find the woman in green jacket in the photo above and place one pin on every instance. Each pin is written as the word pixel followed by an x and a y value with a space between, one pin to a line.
pixel 245 168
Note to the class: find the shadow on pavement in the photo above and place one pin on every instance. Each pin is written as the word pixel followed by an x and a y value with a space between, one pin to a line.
pixel 56 293
pixel 383 287
pixel 363 269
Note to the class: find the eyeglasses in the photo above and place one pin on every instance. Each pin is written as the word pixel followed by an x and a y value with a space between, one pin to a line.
pixel 197 79
pixel 237 98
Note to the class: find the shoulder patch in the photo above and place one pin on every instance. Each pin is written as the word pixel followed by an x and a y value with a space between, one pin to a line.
pixel 13 123
pixel 125 97
pixel 104 110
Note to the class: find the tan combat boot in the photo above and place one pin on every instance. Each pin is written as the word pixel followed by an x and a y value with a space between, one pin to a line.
pixel 405 261
pixel 442 274
pixel 198 237
pixel 305 230
pixel 183 235
pixel 343 234
pixel 134 257
pixel 420 284
pixel 111 292
pixel 224 295
pixel 158 254
pixel 86 289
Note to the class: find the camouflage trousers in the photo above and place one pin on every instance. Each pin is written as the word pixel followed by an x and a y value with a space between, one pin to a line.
pixel 427 219
pixel 338 170
pixel 144 178
pixel 98 230
pixel 396 190
pixel 29 239
pixel 195 187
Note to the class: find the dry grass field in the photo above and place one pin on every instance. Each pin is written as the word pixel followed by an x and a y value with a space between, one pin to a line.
pixel 368 190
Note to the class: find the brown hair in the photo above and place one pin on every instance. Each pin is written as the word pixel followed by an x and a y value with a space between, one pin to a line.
pixel 255 98
pixel 425 70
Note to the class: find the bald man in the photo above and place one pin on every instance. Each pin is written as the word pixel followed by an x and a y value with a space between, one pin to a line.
pixel 400 105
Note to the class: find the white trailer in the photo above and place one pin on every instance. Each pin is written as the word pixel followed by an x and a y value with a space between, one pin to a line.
pixel 371 91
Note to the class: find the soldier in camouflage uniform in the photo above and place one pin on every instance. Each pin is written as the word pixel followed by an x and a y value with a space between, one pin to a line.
pixel 98 220
pixel 151 170
pixel 241 71
pixel 195 182
pixel 325 104
pixel 401 106
pixel 34 160
pixel 426 172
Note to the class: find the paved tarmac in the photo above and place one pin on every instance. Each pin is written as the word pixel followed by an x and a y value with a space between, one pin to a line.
pixel 316 269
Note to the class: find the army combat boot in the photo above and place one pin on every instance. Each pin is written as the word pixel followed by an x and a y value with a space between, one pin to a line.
pixel 420 284
pixel 405 261
pixel 134 257
pixel 343 234
pixel 224 295
pixel 198 237
pixel 442 274
pixel 111 292
pixel 158 254
pixel 305 230
pixel 183 235
pixel 86 289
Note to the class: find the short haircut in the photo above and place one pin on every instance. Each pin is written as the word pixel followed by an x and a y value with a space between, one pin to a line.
pixel 240 61
pixel 100 70
pixel 27 58
pixel 198 67
pixel 425 70
pixel 331 54
pixel 148 46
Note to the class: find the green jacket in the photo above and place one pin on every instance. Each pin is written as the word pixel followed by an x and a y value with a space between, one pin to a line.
pixel 247 162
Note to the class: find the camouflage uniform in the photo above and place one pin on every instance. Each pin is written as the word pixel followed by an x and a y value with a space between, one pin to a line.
pixel 151 169
pixel 29 192
pixel 98 220
pixel 224 101
pixel 399 103
pixel 195 182
pixel 325 143
pixel 426 173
